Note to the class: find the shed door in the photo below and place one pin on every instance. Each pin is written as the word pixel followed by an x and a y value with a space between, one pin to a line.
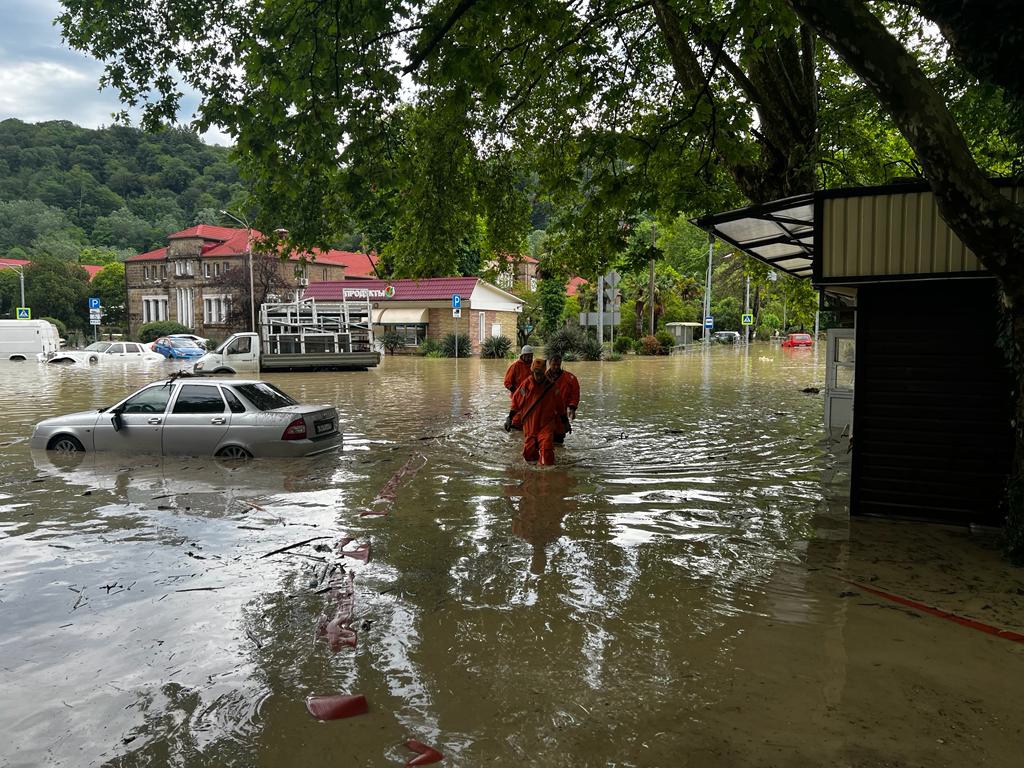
pixel 839 375
pixel 932 434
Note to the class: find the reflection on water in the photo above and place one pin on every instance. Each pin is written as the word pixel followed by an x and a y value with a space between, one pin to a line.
pixel 663 596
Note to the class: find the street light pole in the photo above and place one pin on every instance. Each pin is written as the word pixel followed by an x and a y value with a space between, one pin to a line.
pixel 21 278
pixel 707 291
pixel 248 253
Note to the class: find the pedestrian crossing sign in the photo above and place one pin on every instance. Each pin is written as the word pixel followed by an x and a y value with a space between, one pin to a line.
pixel 748 319
pixel 24 313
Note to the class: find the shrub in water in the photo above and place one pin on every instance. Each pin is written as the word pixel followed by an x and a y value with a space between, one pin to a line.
pixel 448 345
pixel 591 348
pixel 667 341
pixel 565 340
pixel 496 347
pixel 649 345
pixel 153 331
pixel 623 344
pixel 427 346
pixel 392 342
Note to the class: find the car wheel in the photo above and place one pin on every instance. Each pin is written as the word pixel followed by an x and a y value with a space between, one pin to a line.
pixel 223 370
pixel 65 444
pixel 236 452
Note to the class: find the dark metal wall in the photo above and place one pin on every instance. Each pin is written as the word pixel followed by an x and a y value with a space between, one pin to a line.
pixel 932 435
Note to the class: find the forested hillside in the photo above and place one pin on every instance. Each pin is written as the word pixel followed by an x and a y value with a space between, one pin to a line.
pixel 76 194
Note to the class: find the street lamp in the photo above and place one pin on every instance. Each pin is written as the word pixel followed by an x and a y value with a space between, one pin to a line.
pixel 248 253
pixel 21 275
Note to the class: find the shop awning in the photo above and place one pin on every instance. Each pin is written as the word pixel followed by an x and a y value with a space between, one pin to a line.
pixel 780 233
pixel 403 316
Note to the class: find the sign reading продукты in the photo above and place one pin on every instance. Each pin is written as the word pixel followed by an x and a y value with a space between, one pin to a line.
pixel 94 302
pixel 456 301
pixel 23 313
pixel 748 319
pixel 709 322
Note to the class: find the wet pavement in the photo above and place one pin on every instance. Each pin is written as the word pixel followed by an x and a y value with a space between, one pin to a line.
pixel 681 589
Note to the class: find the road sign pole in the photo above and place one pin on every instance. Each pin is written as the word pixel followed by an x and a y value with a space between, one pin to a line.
pixel 746 310
pixel 707 287
pixel 600 310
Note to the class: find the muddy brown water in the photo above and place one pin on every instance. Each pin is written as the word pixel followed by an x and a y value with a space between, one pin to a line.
pixel 667 595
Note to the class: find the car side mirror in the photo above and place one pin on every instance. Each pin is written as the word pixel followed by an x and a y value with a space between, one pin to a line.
pixel 116 422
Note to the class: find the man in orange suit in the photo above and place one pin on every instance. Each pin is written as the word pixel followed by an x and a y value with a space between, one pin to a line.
pixel 569 388
pixel 517 374
pixel 539 410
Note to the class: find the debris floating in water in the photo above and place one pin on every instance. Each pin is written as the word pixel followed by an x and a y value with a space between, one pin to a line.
pixel 425 755
pixel 337 707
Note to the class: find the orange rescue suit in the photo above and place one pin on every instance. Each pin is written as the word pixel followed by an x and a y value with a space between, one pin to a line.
pixel 517 374
pixel 539 410
pixel 569 387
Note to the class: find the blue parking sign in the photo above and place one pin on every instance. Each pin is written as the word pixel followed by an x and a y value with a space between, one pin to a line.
pixel 456 301
pixel 94 302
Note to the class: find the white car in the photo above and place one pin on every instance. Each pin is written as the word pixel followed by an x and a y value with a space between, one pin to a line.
pixel 101 351
pixel 196 417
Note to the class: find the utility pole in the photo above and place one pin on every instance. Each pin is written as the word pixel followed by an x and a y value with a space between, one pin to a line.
pixel 746 311
pixel 600 309
pixel 707 290
pixel 248 253
pixel 650 280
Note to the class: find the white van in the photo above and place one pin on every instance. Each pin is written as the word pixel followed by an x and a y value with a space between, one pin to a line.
pixel 28 340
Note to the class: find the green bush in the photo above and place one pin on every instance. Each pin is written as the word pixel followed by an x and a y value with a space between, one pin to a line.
pixel 153 331
pixel 61 328
pixel 614 357
pixel 565 341
pixel 623 344
pixel 649 345
pixel 429 346
pixel 392 341
pixel 667 341
pixel 591 348
pixel 436 354
pixel 496 347
pixel 448 345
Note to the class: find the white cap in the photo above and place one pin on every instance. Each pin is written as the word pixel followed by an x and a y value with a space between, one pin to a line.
pixel 527 350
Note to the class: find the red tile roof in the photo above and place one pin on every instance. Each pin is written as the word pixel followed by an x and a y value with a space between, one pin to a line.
pixel 230 241
pixel 91 269
pixel 427 289
pixel 573 286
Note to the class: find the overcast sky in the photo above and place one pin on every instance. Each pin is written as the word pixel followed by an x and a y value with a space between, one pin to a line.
pixel 42 79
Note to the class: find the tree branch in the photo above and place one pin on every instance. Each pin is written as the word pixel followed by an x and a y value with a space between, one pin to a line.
pixel 420 55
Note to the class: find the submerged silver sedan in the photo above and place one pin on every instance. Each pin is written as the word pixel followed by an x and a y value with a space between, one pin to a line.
pixel 189 417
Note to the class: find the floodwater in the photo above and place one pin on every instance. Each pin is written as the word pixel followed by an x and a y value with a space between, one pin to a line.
pixel 670 594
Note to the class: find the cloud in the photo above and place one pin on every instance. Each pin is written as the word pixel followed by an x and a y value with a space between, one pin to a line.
pixel 42 79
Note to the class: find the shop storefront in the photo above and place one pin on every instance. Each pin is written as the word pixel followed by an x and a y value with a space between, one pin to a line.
pixel 423 309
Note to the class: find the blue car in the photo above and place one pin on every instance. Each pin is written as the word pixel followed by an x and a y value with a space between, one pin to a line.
pixel 178 349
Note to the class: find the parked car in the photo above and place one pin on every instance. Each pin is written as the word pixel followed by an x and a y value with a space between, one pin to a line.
pixel 190 417
pixel 798 340
pixel 726 337
pixel 103 351
pixel 202 343
pixel 177 348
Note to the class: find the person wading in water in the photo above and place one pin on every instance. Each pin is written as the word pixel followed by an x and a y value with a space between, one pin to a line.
pixel 517 374
pixel 539 410
pixel 568 387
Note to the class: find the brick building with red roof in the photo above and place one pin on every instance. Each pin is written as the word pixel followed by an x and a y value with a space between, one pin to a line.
pixel 178 282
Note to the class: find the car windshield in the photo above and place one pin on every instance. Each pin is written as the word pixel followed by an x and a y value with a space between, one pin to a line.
pixel 801 336
pixel 98 346
pixel 265 397
pixel 183 344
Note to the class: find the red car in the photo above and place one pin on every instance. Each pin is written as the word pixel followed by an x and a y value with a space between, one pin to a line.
pixel 798 340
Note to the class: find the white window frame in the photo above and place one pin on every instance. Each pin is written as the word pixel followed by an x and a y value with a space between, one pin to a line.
pixel 154 309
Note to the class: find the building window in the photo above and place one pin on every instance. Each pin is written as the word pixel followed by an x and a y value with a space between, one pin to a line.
pixel 325 274
pixel 185 308
pixel 216 269
pixel 183 268
pixel 206 269
pixel 163 271
pixel 154 309
pixel 216 309
pixel 411 333
pixel 145 273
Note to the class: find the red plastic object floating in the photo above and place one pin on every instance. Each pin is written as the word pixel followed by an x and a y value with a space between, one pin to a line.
pixel 426 755
pixel 336 707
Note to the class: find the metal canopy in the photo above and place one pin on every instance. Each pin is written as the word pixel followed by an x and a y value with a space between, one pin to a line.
pixel 779 233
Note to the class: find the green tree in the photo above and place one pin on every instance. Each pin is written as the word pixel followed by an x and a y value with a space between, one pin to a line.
pixel 54 288
pixel 109 284
pixel 551 290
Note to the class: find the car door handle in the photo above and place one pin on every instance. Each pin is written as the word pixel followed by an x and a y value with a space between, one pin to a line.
pixel 154 420
pixel 217 420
